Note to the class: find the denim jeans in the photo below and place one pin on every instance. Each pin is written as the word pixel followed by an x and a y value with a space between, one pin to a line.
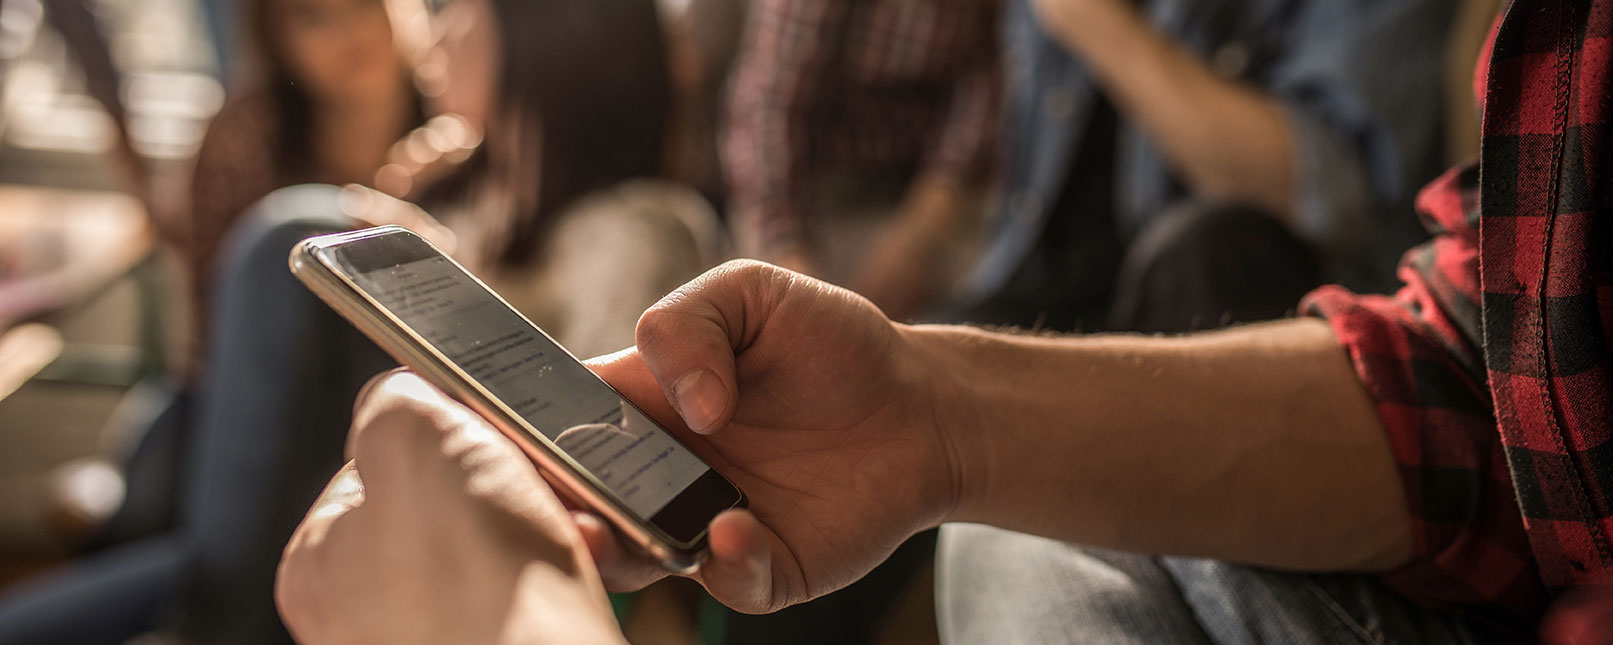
pixel 996 586
pixel 272 420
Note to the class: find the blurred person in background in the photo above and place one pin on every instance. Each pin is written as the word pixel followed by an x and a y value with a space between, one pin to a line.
pixel 558 208
pixel 703 40
pixel 331 90
pixel 859 139
pixel 1175 165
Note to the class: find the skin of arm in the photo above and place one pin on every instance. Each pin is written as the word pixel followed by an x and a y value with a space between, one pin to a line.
pixel 1228 140
pixel 1256 444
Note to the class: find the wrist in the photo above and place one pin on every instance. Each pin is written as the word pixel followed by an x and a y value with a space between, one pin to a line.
pixel 931 206
pixel 1098 31
pixel 949 418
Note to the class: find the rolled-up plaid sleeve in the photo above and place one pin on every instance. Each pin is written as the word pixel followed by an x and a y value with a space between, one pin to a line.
pixel 1417 355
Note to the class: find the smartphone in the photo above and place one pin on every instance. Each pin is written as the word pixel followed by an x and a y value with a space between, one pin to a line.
pixel 588 440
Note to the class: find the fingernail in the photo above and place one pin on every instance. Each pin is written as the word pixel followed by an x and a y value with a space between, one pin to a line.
pixel 701 398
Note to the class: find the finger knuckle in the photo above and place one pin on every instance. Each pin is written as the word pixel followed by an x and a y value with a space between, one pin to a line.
pixel 744 271
pixel 652 326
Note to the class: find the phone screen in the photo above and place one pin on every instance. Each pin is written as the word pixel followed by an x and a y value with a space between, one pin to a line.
pixel 518 364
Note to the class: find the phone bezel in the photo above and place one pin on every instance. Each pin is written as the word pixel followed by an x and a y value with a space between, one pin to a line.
pixel 333 285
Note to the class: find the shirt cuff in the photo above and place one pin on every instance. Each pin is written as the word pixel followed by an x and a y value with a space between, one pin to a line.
pixel 1468 544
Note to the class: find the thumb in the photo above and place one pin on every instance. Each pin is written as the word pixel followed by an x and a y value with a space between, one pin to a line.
pixel 690 338
pixel 740 570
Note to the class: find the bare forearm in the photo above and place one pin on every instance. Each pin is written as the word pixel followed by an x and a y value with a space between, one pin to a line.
pixel 933 203
pixel 1254 445
pixel 901 271
pixel 1228 140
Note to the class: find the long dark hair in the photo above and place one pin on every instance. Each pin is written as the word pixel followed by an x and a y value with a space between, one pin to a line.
pixel 269 73
pixel 583 100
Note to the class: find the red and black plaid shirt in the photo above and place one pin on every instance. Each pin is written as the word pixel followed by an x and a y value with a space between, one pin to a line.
pixel 871 84
pixel 1490 369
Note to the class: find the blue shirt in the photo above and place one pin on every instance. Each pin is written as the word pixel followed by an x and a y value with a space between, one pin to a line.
pixel 1358 80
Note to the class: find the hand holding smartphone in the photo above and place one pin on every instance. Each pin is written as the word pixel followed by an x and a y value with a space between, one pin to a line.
pixel 596 447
